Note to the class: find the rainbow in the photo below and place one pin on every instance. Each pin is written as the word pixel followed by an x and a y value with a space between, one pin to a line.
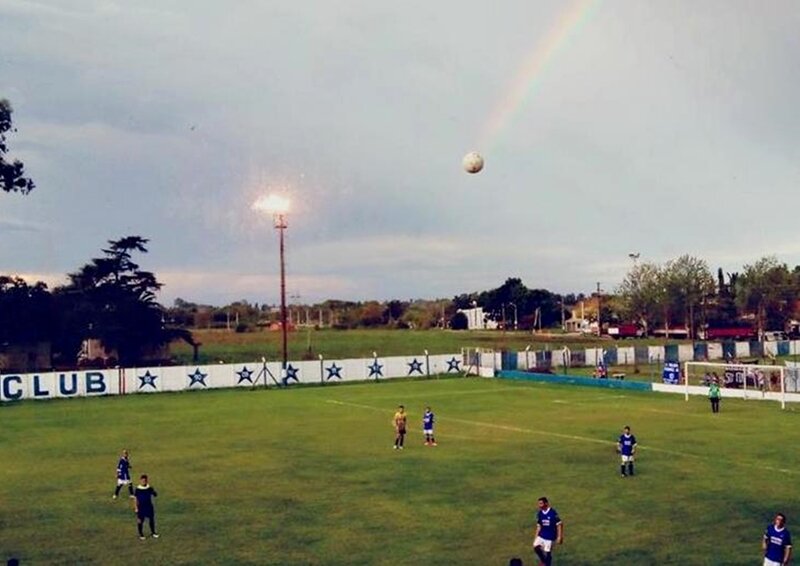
pixel 529 77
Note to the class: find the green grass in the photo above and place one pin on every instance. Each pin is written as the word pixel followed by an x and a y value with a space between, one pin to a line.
pixel 220 345
pixel 308 476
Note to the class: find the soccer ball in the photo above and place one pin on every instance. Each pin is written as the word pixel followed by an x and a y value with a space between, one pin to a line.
pixel 473 162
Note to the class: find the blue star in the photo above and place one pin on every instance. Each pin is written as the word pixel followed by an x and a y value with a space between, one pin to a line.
pixel 291 373
pixel 375 369
pixel 415 366
pixel 147 379
pixel 244 375
pixel 334 371
pixel 197 377
pixel 452 365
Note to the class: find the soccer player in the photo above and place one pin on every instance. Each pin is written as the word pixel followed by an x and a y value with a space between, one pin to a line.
pixel 777 542
pixel 549 529
pixel 427 427
pixel 143 506
pixel 399 427
pixel 714 395
pixel 626 446
pixel 124 475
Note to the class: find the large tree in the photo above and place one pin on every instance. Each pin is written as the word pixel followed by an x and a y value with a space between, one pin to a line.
pixel 642 293
pixel 12 173
pixel 26 314
pixel 689 283
pixel 113 300
pixel 766 289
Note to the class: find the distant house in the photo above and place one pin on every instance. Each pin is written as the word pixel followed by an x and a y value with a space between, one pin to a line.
pixel 476 319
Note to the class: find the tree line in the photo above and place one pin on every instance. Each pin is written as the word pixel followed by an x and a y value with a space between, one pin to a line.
pixel 684 292
pixel 110 299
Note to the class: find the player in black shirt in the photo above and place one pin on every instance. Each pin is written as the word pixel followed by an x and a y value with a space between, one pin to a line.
pixel 143 506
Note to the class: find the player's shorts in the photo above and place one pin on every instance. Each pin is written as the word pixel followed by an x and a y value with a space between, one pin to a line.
pixel 626 459
pixel 768 562
pixel 121 481
pixel 427 431
pixel 401 430
pixel 546 545
pixel 145 514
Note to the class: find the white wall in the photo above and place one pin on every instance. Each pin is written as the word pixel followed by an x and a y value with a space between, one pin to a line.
pixel 50 385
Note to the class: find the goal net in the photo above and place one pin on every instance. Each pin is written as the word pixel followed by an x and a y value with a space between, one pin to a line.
pixel 478 361
pixel 750 381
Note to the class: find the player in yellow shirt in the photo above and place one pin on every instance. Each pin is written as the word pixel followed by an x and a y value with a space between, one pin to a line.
pixel 399 423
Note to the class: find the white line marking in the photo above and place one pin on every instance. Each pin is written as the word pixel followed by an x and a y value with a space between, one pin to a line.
pixel 591 400
pixel 510 428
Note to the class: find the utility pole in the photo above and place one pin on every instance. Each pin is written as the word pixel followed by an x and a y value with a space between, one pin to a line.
pixel 599 309
pixel 563 321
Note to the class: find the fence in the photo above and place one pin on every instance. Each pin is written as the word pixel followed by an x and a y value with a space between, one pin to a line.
pixel 121 381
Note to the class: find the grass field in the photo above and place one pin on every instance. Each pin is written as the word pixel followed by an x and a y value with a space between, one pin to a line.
pixel 308 476
pixel 220 345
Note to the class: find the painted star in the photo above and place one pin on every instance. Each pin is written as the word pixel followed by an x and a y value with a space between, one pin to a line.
pixel 334 371
pixel 414 366
pixel 198 377
pixel 147 379
pixel 452 365
pixel 291 373
pixel 244 375
pixel 375 369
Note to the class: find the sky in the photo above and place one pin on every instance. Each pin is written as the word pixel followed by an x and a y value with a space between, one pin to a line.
pixel 607 128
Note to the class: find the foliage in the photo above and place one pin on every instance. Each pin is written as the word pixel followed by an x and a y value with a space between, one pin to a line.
pixel 688 283
pixel 12 173
pixel 643 294
pixel 26 313
pixel 459 321
pixel 767 289
pixel 112 299
pixel 513 297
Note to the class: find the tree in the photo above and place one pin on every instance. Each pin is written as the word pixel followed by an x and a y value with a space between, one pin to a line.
pixel 459 321
pixel 26 313
pixel 766 289
pixel 642 294
pixel 12 173
pixel 724 312
pixel 394 310
pixel 113 300
pixel 688 283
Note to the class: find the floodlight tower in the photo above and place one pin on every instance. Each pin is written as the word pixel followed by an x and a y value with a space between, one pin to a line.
pixel 278 206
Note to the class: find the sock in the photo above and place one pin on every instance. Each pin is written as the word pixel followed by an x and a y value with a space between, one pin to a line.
pixel 622 469
pixel 116 491
pixel 540 553
pixel 139 527
pixel 548 558
pixel 433 440
pixel 130 489
pixel 630 468
pixel 152 525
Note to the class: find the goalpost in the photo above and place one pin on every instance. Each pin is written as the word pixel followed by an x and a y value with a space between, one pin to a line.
pixel 753 380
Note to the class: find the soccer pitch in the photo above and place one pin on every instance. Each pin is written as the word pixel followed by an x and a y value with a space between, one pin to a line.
pixel 308 476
